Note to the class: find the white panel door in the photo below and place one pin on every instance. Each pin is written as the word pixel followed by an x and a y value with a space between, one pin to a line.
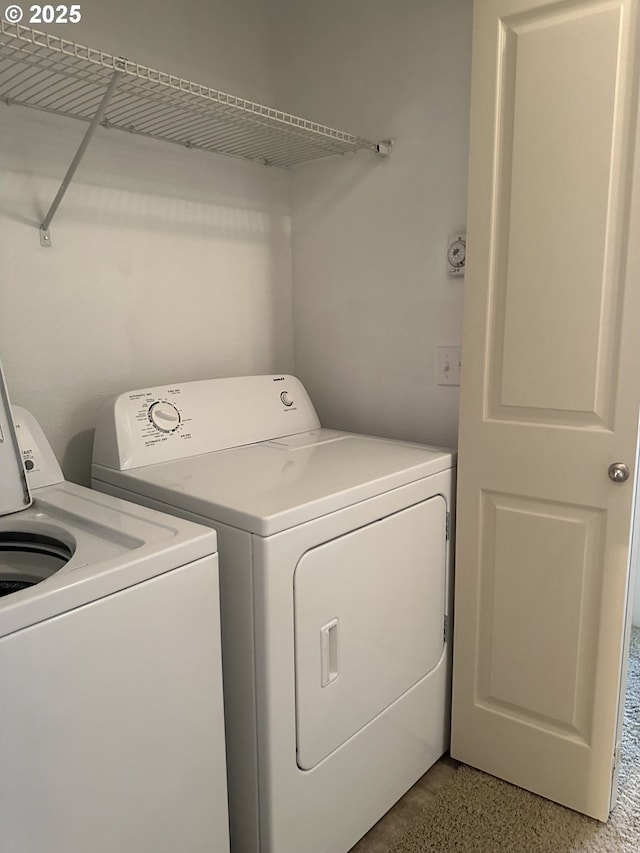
pixel 550 395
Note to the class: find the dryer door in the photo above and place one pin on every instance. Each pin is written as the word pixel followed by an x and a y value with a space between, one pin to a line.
pixel 369 615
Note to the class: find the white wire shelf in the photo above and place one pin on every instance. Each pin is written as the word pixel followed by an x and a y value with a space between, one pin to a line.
pixel 45 72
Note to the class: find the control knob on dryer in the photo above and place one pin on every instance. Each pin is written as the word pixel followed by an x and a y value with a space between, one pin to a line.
pixel 164 416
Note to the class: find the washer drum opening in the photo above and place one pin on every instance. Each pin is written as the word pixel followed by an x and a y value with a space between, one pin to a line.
pixel 27 559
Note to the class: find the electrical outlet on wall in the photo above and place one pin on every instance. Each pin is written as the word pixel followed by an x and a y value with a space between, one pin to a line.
pixel 448 365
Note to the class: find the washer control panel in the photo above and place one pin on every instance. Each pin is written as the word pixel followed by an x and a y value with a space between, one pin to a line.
pixel 172 422
pixel 38 457
pixel 14 489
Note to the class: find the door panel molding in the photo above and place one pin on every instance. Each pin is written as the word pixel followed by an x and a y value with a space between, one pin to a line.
pixel 532 552
pixel 563 289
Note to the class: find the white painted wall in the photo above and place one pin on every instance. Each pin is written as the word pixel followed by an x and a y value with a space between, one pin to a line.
pixel 171 264
pixel 225 44
pixel 167 264
pixel 372 298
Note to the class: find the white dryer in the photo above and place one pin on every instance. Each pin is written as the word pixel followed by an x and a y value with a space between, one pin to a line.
pixel 335 554
pixel 111 715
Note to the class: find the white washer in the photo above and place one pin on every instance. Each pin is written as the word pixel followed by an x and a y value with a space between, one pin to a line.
pixel 335 559
pixel 111 717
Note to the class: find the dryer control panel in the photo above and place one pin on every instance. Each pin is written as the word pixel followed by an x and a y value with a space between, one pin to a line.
pixel 164 423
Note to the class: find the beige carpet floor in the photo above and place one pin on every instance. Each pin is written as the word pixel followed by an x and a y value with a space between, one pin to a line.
pixel 476 812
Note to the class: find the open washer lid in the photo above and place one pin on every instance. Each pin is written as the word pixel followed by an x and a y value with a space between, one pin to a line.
pixel 14 494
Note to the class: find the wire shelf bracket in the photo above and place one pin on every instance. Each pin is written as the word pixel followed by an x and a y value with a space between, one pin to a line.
pixel 45 72
pixel 45 235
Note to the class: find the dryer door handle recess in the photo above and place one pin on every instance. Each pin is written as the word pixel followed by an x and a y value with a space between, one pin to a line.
pixel 329 653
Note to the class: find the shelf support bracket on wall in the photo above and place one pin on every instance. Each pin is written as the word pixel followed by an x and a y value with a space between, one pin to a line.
pixel 384 147
pixel 45 236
